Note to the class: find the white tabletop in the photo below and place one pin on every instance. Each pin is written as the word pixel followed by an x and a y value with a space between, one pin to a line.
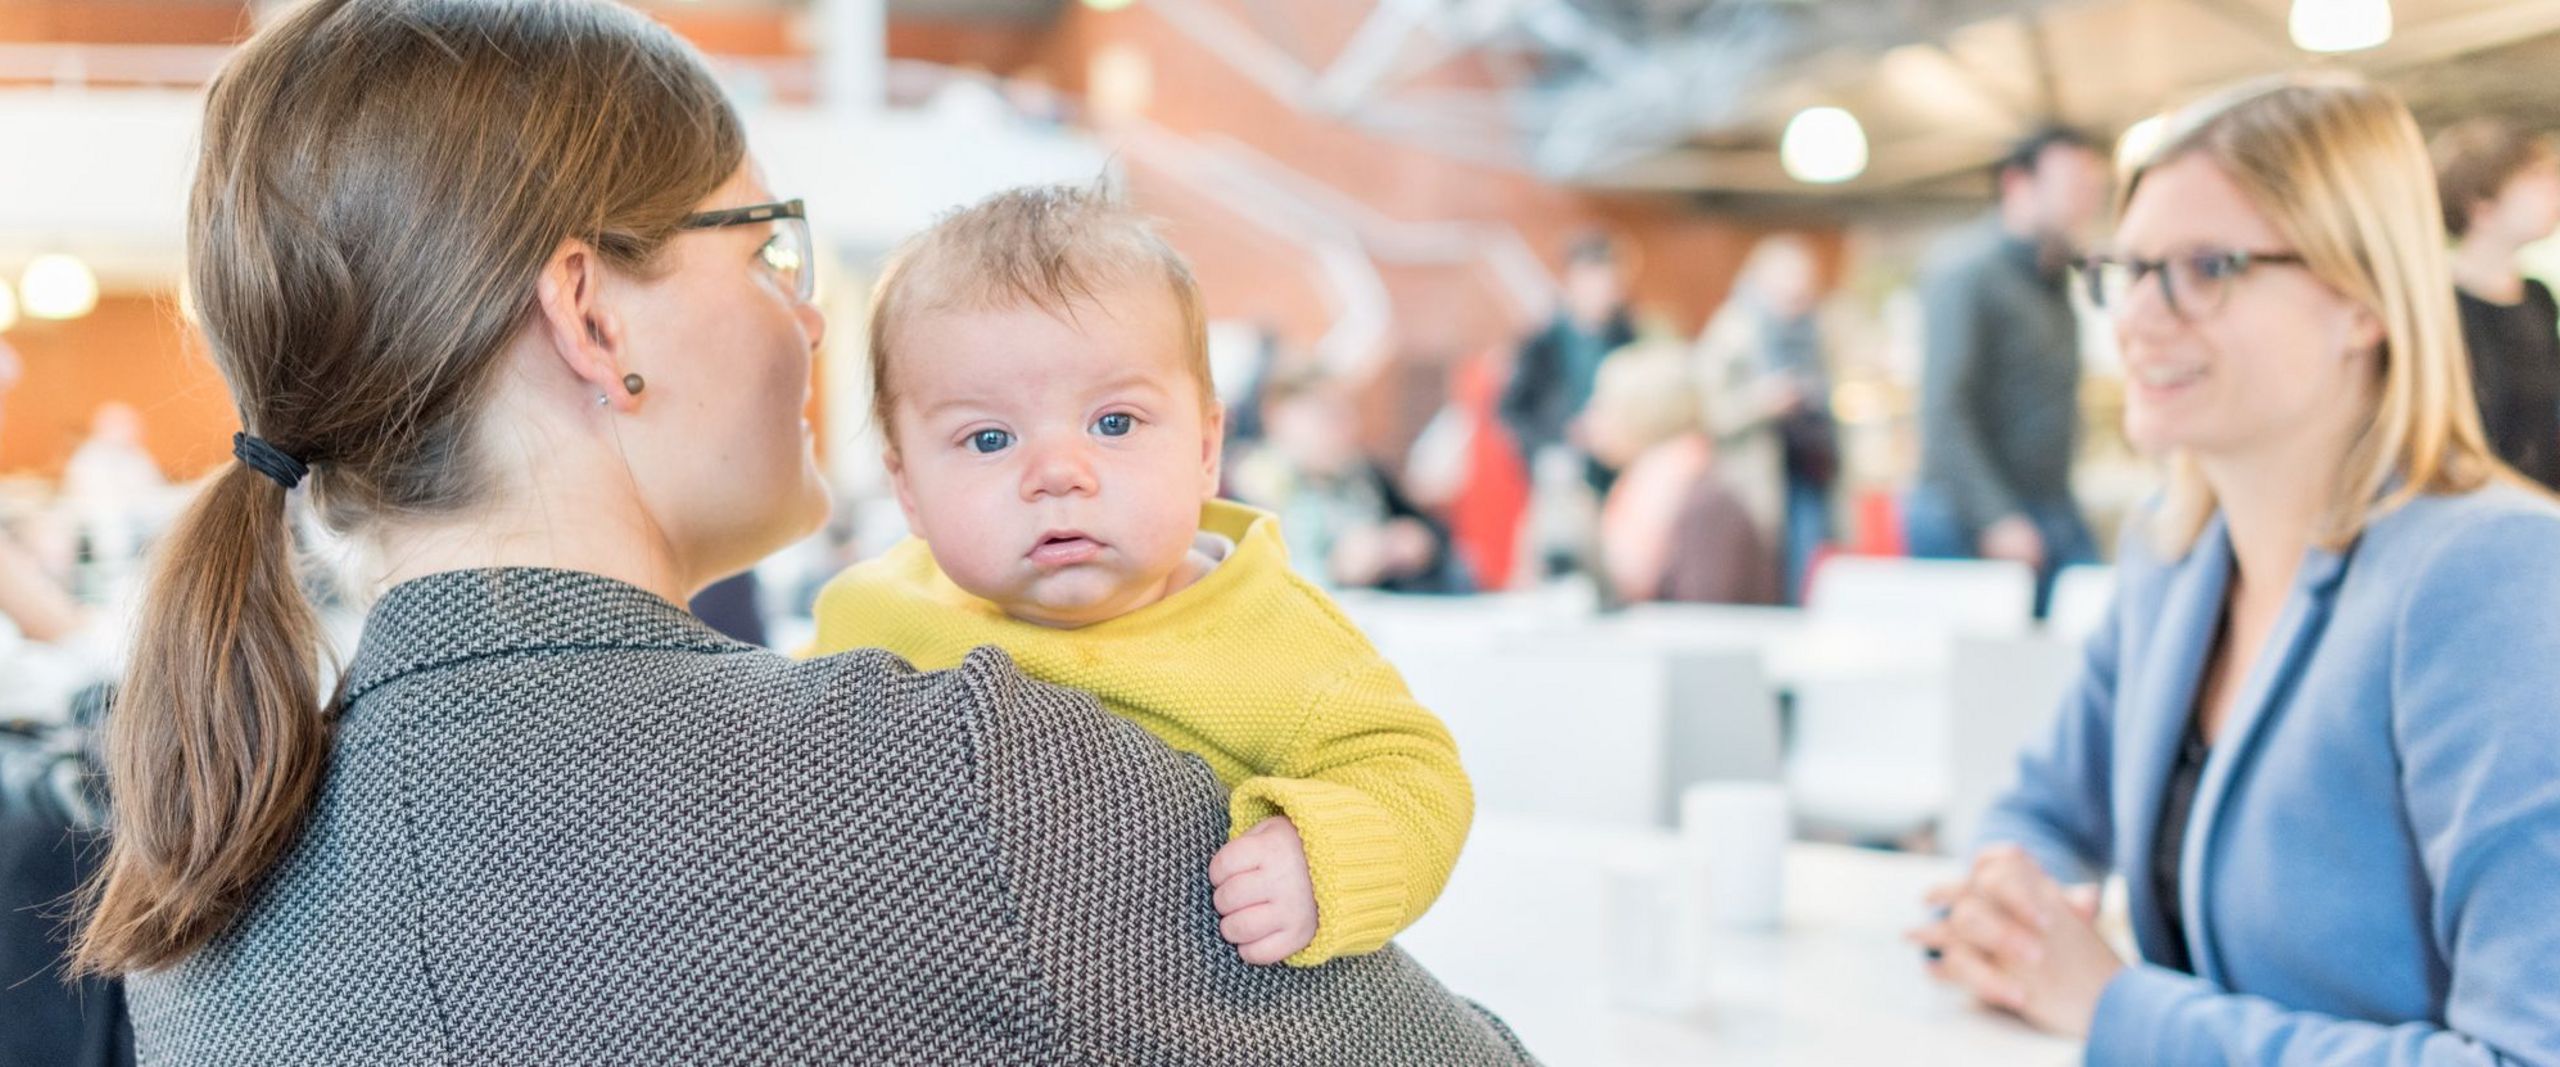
pixel 1521 931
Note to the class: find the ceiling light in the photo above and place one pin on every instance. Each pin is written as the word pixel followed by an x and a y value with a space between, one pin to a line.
pixel 1822 146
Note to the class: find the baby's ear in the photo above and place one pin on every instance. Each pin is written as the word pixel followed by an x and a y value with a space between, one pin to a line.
pixel 1213 447
pixel 899 484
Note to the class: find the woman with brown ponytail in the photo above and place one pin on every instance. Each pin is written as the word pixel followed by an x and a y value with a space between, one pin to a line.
pixel 497 284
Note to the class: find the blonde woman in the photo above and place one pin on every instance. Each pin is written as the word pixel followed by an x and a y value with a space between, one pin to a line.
pixel 2318 736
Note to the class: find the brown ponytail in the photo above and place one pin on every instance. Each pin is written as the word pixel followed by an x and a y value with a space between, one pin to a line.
pixel 380 184
pixel 218 743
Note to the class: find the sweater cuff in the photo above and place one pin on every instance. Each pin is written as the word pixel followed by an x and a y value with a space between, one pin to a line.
pixel 1355 857
pixel 2133 1024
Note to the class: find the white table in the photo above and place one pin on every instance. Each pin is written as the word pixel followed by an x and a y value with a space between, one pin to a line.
pixel 1521 930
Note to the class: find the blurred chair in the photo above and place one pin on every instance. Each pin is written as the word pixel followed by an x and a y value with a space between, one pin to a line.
pixel 2082 596
pixel 1973 596
pixel 1872 754
pixel 1868 760
pixel 2006 692
pixel 1724 722
pixel 1571 723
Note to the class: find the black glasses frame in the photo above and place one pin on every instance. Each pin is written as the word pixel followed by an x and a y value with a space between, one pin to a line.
pixel 740 216
pixel 2093 270
pixel 794 210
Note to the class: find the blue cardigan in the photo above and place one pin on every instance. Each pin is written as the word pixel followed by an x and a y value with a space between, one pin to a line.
pixel 2371 872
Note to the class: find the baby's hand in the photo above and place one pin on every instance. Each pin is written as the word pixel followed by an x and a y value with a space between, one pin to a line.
pixel 1266 899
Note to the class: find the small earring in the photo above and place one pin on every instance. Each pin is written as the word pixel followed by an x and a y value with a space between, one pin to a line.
pixel 602 400
pixel 632 384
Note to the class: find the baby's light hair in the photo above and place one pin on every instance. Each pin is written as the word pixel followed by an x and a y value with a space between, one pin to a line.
pixel 1058 248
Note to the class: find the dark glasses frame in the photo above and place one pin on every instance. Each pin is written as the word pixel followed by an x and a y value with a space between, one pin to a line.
pixel 793 210
pixel 2234 262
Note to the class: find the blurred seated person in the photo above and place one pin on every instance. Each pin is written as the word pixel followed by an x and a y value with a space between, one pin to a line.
pixel 31 602
pixel 1347 524
pixel 118 496
pixel 1670 528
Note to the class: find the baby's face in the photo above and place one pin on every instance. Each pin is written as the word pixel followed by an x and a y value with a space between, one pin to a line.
pixel 1055 467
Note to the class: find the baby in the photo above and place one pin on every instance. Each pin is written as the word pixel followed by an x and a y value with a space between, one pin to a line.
pixel 1039 366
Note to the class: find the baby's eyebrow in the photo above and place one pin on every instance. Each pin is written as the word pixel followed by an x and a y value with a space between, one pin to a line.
pixel 1133 380
pixel 965 402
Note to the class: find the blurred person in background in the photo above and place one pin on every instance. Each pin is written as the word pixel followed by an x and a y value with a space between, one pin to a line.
pixel 1347 523
pixel 47 822
pixel 1764 371
pixel 2501 192
pixel 2000 376
pixel 32 603
pixel 112 464
pixel 2315 735
pixel 118 498
pixel 1672 527
pixel 1551 381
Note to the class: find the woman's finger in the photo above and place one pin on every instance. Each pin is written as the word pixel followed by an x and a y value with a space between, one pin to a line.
pixel 2022 890
pixel 1983 927
pixel 1984 979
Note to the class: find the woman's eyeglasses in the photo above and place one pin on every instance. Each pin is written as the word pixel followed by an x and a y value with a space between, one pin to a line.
pixel 788 253
pixel 2195 283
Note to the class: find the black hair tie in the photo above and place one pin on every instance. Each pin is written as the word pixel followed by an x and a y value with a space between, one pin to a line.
pixel 267 460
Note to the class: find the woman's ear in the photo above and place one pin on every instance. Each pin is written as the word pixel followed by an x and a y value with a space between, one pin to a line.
pixel 584 333
pixel 2365 332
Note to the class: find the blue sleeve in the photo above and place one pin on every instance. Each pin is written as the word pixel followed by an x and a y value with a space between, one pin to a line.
pixel 2058 809
pixel 2475 707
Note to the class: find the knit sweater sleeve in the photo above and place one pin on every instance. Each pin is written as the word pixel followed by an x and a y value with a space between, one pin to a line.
pixel 1373 784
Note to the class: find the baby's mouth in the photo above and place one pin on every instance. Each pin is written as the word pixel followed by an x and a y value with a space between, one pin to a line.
pixel 1065 549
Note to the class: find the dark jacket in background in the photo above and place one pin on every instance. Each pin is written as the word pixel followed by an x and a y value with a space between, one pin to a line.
pixel 46 1020
pixel 2000 385
pixel 566 823
pixel 1549 386
pixel 2515 370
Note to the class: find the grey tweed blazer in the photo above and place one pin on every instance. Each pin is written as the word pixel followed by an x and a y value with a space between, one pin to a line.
pixel 565 823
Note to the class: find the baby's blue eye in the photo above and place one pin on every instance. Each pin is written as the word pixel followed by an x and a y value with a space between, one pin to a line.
pixel 1115 424
pixel 986 441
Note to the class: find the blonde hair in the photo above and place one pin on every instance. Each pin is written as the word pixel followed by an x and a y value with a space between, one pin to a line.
pixel 2337 165
pixel 1058 248
pixel 1644 394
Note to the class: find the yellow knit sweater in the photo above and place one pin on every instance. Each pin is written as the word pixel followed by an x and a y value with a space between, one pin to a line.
pixel 1250 668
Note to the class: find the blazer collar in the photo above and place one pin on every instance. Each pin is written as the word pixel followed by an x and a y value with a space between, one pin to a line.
pixel 448 618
